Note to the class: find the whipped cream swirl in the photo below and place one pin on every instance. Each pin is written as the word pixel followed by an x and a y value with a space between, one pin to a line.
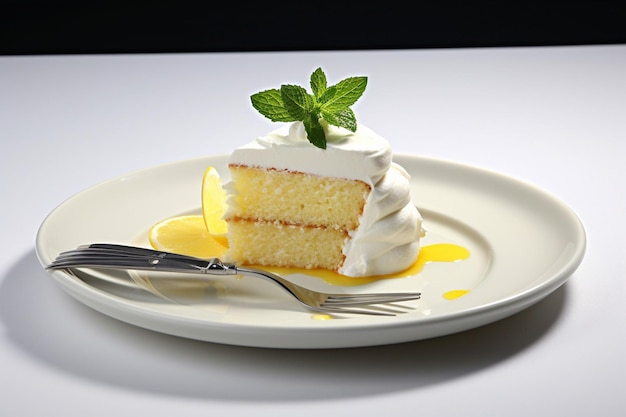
pixel 388 237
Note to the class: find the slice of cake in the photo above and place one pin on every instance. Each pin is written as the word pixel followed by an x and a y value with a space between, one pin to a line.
pixel 336 202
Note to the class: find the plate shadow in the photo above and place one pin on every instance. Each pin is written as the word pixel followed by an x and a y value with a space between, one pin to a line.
pixel 62 333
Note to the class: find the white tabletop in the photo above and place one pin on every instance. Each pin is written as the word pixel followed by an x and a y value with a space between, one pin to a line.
pixel 552 116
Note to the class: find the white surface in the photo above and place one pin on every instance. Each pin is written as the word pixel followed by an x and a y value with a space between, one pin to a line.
pixel 551 116
pixel 497 217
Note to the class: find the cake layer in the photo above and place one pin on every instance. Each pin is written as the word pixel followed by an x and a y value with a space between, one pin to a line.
pixel 296 198
pixel 387 238
pixel 285 245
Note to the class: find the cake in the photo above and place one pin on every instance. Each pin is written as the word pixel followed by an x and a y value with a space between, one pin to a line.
pixel 338 202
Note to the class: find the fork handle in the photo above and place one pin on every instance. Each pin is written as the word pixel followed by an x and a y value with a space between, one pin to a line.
pixel 115 256
pixel 212 266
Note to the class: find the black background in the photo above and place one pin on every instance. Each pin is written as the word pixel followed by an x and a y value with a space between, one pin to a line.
pixel 76 27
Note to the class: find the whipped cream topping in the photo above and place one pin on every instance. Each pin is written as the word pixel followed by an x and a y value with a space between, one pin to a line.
pixel 362 155
pixel 388 237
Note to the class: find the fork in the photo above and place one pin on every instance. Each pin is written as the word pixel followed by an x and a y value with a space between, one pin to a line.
pixel 114 256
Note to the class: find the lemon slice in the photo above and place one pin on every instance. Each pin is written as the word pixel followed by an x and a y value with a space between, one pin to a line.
pixel 186 235
pixel 214 204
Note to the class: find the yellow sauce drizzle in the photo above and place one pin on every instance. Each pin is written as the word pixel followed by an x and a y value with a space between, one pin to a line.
pixel 177 240
pixel 454 294
pixel 321 317
pixel 439 252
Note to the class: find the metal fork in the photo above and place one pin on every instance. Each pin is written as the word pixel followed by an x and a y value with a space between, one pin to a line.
pixel 114 256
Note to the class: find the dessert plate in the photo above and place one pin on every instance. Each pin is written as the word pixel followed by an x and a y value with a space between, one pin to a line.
pixel 523 244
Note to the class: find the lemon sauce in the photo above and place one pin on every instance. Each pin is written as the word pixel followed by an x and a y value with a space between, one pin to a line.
pixel 439 252
pixel 188 235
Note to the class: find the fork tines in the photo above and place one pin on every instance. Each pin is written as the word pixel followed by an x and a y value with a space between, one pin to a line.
pixel 366 299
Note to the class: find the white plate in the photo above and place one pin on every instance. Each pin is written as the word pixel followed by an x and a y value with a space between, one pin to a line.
pixel 524 244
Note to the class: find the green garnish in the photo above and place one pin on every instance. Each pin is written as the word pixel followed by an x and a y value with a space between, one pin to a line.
pixel 292 103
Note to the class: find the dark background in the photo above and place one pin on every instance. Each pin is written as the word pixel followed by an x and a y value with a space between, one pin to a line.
pixel 76 27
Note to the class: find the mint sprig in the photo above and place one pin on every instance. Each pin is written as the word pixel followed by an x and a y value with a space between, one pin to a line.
pixel 292 103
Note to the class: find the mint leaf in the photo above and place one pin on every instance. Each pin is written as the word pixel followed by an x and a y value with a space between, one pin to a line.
pixel 270 104
pixel 293 103
pixel 318 82
pixel 327 96
pixel 296 100
pixel 347 93
pixel 314 131
pixel 343 118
